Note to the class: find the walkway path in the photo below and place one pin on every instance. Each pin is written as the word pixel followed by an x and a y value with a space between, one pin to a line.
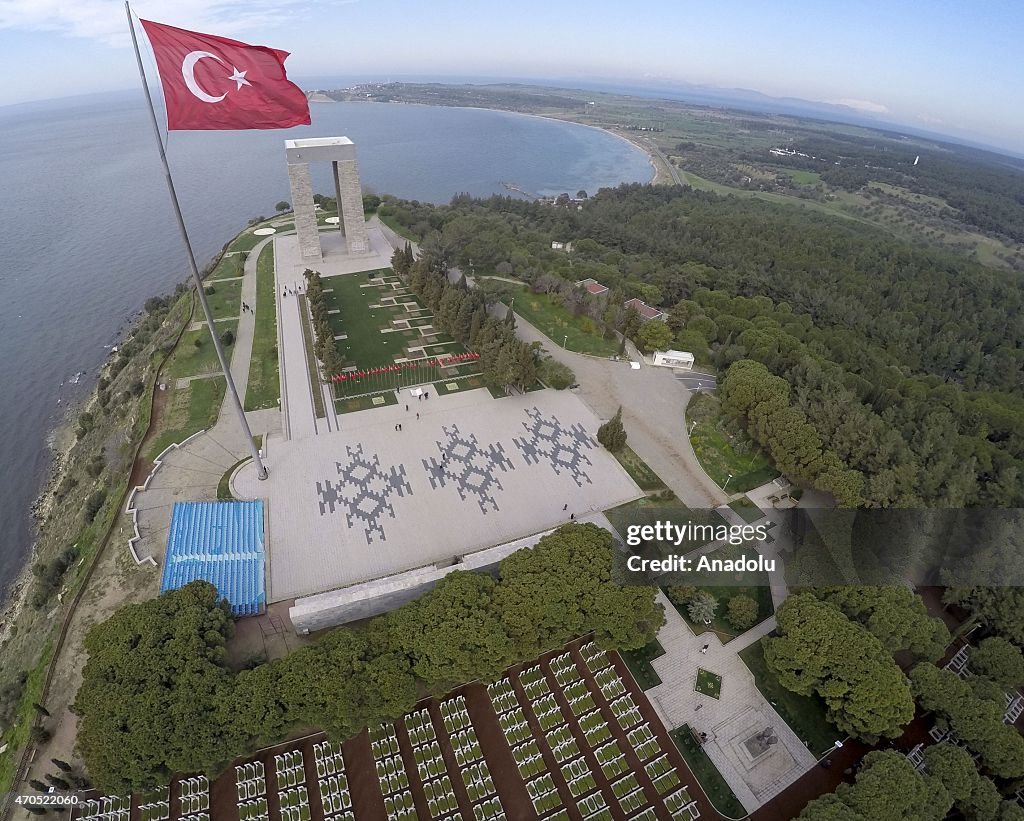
pixel 299 412
pixel 739 713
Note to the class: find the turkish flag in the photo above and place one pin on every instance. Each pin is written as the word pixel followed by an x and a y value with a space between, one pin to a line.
pixel 213 83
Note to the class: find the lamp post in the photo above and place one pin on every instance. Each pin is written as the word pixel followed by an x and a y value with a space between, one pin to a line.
pixel 693 424
pixel 565 339
pixel 727 482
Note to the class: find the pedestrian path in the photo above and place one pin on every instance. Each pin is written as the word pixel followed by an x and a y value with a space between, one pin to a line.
pixel 732 720
pixel 297 392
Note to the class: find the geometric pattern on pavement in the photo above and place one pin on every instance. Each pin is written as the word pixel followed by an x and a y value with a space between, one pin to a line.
pixel 561 447
pixel 470 468
pixel 365 491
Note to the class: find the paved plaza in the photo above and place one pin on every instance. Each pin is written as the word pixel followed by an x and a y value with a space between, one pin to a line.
pixel 366 501
pixel 755 771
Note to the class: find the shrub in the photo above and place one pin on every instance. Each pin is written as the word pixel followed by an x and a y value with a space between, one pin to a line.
pixel 612 434
pixel 95 466
pixel 93 503
pixel 742 612
pixel 681 594
pixel 702 607
pixel 198 342
pixel 209 290
pixel 556 375
pixel 228 338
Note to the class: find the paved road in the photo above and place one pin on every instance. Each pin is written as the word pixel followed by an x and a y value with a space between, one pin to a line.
pixel 653 407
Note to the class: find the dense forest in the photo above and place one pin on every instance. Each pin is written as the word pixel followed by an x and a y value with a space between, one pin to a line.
pixel 906 364
pixel 157 697
pixel 986 189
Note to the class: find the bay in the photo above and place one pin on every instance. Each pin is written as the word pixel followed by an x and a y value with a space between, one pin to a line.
pixel 87 233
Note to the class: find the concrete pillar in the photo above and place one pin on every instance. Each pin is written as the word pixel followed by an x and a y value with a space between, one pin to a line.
pixel 350 205
pixel 305 215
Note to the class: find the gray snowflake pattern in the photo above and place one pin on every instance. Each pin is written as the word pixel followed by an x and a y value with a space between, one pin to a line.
pixel 561 447
pixel 364 490
pixel 469 467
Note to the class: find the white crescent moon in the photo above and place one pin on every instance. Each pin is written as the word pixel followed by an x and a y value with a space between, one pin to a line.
pixel 188 72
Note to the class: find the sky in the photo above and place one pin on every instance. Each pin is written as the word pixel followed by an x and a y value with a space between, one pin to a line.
pixel 950 67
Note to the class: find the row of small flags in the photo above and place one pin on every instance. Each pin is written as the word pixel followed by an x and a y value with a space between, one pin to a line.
pixel 455 359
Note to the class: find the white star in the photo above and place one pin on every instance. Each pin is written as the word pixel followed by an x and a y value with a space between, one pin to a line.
pixel 239 77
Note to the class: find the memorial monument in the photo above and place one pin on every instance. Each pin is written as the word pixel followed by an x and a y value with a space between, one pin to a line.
pixel 340 152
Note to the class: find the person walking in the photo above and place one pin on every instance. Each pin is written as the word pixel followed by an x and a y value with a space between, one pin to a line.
pixel 406 408
pixel 572 517
pixel 565 506
pixel 417 416
pixel 704 649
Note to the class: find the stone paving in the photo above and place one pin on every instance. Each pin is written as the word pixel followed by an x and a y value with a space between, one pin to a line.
pixel 730 721
pixel 367 501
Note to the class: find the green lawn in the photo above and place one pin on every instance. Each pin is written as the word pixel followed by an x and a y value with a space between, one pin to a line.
pixel 264 388
pixel 638 469
pixel 190 360
pixel 806 715
pixel 652 509
pixel 247 240
pixel 578 333
pixel 361 318
pixel 358 403
pixel 805 177
pixel 721 454
pixel 191 409
pixel 467 384
pixel 708 683
pixel 229 267
pixel 639 663
pixel 397 227
pixel 225 301
pixel 711 781
pixel 311 362
pixel 754 585
pixel 747 509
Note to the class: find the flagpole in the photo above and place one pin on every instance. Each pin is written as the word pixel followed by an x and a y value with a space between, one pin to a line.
pixel 261 470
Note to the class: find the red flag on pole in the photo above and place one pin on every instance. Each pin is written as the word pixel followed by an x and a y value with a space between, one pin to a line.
pixel 214 83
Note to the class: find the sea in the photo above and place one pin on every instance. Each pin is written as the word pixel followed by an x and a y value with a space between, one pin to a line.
pixel 87 233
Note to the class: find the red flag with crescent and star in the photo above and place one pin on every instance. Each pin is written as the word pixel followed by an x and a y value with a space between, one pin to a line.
pixel 214 83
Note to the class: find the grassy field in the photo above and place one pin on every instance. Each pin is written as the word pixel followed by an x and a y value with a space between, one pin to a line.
pixel 358 403
pixel 747 509
pixel 468 384
pixel 708 683
pixel 651 509
pixel 264 388
pixel 719 453
pixel 397 227
pixel 754 585
pixel 805 177
pixel 192 360
pixel 707 774
pixel 639 664
pixel 361 319
pixel 638 469
pixel 229 267
pixel 226 299
pixel 579 333
pixel 191 409
pixel 312 365
pixel 806 715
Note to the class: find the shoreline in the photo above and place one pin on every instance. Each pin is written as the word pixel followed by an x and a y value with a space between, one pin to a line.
pixel 553 118
pixel 14 596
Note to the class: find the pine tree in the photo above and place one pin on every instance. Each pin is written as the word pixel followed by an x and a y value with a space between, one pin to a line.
pixel 612 434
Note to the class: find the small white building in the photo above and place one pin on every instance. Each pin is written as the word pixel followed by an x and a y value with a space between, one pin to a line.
pixel 683 360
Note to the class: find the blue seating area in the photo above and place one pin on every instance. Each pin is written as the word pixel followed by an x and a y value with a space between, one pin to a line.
pixel 222 543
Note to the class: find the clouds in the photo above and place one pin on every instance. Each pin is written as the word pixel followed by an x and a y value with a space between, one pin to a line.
pixel 104 20
pixel 867 106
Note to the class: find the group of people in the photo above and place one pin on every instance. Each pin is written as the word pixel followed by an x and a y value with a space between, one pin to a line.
pixel 246 308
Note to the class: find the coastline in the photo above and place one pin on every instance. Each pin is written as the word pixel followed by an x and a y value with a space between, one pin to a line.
pixel 14 596
pixel 647 151
pixel 651 159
